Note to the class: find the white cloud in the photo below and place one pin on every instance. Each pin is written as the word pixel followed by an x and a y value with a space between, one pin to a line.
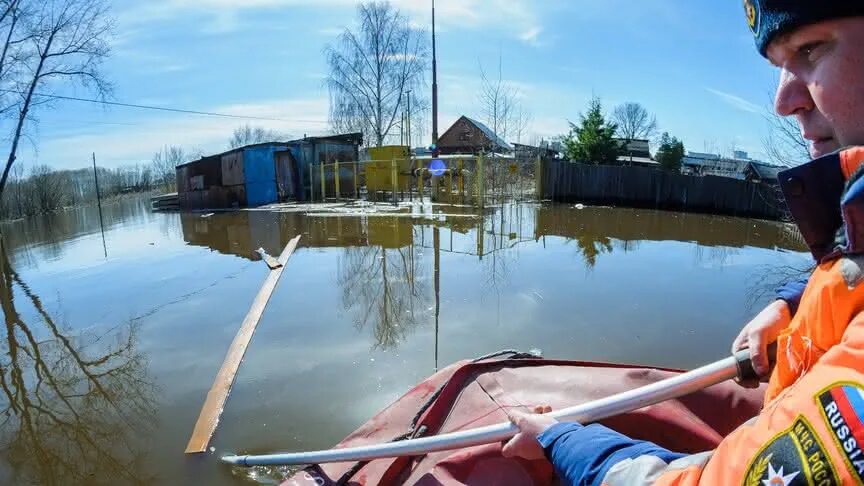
pixel 531 36
pixel 516 16
pixel 132 144
pixel 737 102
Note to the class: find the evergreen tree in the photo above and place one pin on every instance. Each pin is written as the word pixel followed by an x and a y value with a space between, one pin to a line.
pixel 670 153
pixel 593 140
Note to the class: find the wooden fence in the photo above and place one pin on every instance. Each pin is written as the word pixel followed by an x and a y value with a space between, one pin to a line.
pixel 653 188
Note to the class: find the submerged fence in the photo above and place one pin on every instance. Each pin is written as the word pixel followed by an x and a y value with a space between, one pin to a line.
pixel 466 179
pixel 651 188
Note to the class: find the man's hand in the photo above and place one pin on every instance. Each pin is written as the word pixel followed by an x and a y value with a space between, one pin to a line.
pixel 524 444
pixel 762 331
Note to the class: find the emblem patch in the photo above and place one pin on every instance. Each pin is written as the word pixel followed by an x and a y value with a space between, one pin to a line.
pixel 842 407
pixel 794 457
pixel 754 16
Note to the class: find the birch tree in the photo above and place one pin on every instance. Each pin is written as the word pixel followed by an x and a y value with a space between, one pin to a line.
pixel 371 70
pixel 64 42
pixel 501 109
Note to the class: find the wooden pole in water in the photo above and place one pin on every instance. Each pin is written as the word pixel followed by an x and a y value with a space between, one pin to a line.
pixel 336 179
pixel 218 394
pixel 323 186
pixel 99 204
pixel 356 181
pixel 311 169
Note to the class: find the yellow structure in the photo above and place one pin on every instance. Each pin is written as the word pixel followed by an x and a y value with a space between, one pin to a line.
pixel 389 169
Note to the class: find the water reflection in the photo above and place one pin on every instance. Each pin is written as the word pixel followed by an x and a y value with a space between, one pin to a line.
pixel 385 289
pixel 385 269
pixel 47 236
pixel 73 407
pixel 595 227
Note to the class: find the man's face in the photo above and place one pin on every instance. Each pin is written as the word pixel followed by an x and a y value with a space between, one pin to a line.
pixel 822 82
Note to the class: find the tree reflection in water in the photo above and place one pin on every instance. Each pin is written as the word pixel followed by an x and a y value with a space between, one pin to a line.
pixel 71 407
pixel 385 288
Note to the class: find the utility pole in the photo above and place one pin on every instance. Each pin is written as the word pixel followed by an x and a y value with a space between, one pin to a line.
pixel 434 82
pixel 99 203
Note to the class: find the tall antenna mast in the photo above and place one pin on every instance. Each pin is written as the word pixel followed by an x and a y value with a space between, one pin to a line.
pixel 434 82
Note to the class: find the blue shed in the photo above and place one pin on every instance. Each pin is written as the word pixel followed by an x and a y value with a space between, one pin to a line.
pixel 263 173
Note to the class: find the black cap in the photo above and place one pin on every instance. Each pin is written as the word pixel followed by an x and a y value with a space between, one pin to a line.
pixel 769 18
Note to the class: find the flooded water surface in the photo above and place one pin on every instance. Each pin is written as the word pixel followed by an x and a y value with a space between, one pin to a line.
pixel 108 351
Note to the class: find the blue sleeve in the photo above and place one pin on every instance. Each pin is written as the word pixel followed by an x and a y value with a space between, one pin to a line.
pixel 583 455
pixel 792 292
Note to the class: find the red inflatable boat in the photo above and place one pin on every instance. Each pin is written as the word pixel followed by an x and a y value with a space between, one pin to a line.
pixel 471 394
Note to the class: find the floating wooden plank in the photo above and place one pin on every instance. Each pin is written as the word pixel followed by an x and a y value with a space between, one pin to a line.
pixel 215 402
pixel 269 260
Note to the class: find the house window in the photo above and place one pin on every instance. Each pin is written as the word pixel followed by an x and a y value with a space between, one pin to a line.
pixel 465 136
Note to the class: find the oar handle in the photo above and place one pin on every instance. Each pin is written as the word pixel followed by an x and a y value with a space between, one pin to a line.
pixel 747 376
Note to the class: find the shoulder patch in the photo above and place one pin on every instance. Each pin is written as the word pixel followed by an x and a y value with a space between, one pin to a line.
pixel 842 406
pixel 851 269
pixel 793 457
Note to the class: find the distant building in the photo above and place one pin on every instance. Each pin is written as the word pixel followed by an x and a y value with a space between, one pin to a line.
pixel 469 136
pixel 702 164
pixel 760 172
pixel 741 166
pixel 636 148
pixel 260 174
pixel 636 153
pixel 525 152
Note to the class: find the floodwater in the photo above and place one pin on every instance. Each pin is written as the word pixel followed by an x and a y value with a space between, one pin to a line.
pixel 106 360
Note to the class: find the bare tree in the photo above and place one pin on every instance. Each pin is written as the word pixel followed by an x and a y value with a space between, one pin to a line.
pixel 784 145
pixel 634 122
pixel 522 119
pixel 17 176
pixel 13 23
pixel 67 43
pixel 249 135
pixel 498 103
pixel 372 69
pixel 711 146
pixel 48 194
pixel 164 165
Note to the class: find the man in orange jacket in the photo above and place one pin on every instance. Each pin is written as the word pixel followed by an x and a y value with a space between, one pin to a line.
pixel 811 429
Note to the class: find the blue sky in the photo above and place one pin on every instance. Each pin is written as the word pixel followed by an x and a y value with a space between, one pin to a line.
pixel 693 64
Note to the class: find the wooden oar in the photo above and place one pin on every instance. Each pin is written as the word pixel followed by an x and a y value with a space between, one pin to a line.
pixel 737 366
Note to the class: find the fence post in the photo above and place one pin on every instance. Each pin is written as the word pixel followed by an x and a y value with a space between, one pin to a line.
pixel 336 178
pixel 311 194
pixel 450 185
pixel 356 182
pixel 419 180
pixel 461 177
pixel 323 187
pixel 393 179
pixel 481 174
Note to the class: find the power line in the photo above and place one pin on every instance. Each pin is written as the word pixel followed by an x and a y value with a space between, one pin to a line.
pixel 162 108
